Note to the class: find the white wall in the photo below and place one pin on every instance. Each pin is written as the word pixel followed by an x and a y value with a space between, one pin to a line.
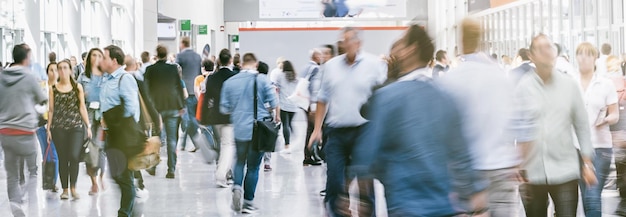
pixel 149 27
pixel 200 12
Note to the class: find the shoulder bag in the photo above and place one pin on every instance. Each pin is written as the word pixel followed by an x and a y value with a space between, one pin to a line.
pixel 264 133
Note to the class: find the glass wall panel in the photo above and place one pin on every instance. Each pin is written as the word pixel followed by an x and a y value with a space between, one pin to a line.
pixel 618 11
pixel 590 13
pixel 603 12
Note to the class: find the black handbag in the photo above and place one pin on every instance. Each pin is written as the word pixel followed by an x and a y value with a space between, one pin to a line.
pixel 264 133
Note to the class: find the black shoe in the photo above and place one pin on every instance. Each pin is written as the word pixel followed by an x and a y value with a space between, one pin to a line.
pixel 151 171
pixel 311 162
pixel 169 175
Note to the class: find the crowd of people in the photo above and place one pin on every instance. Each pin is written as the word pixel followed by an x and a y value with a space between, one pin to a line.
pixel 445 137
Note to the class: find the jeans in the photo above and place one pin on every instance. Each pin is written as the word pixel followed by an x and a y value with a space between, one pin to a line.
pixel 564 196
pixel 227 150
pixel 171 120
pixel 502 191
pixel 286 118
pixel 127 187
pixel 52 157
pixel 247 156
pixel 190 124
pixel 16 149
pixel 338 149
pixel 592 196
pixel 69 145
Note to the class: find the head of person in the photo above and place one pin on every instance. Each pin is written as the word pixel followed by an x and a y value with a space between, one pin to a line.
pixel 65 70
pixel 112 59
pixel 442 57
pixel 351 40
pixel 316 56
pixel 507 60
pixel 249 61
pixel 53 75
pixel 471 35
pixel 586 55
pixel 263 68
pixel 185 42
pixel 237 60
pixel 52 57
pixel 542 51
pixel 413 50
pixel 83 56
pixel 145 57
pixel 161 52
pixel 208 66
pixel 225 57
pixel 279 62
pixel 290 72
pixel 21 55
pixel 328 52
pixel 613 64
pixel 130 63
pixel 73 61
pixel 213 58
pixel 94 57
pixel 523 54
pixel 606 49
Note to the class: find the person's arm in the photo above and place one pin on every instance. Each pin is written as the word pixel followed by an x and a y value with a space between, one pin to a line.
pixel 225 105
pixel 612 107
pixel 50 108
pixel 39 95
pixel 83 109
pixel 129 92
pixel 322 99
pixel 583 133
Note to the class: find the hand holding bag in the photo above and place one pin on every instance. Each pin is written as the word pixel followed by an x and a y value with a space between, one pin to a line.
pixel 264 133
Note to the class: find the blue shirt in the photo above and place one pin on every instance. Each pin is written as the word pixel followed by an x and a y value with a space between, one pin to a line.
pixel 237 99
pixel 113 90
pixel 414 144
pixel 92 87
pixel 345 88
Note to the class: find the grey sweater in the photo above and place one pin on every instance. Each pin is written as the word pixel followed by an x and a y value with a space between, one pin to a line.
pixel 19 93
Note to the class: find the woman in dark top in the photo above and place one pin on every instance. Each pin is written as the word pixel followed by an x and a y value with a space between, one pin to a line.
pixel 91 80
pixel 68 116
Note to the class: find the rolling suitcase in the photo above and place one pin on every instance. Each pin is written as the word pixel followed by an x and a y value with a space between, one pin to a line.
pixel 205 141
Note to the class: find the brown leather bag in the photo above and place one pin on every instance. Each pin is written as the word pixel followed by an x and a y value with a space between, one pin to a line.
pixel 151 155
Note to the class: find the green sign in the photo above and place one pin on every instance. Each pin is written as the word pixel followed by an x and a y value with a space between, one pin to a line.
pixel 203 29
pixel 235 38
pixel 185 25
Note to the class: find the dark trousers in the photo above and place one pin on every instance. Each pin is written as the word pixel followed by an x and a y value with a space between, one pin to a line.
pixel 564 196
pixel 339 145
pixel 286 118
pixel 190 124
pixel 127 187
pixel 308 153
pixel 69 144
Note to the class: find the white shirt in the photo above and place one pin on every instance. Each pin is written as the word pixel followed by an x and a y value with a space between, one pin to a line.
pixel 601 68
pixel 599 95
pixel 346 88
pixel 484 96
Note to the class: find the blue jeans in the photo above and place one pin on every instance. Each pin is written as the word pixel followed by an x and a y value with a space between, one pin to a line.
pixel 190 124
pixel 338 148
pixel 171 120
pixel 52 156
pixel 247 155
pixel 127 187
pixel 592 196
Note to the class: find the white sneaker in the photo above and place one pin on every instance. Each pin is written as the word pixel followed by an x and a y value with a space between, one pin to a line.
pixel 285 151
pixel 222 184
pixel 142 193
pixel 249 208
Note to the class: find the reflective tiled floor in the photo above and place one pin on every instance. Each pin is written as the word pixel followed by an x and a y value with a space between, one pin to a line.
pixel 288 190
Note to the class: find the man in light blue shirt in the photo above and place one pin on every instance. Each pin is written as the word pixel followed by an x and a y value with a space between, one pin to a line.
pixel 118 88
pixel 346 86
pixel 237 99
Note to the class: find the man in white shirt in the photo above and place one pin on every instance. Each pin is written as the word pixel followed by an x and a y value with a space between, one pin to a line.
pixel 601 68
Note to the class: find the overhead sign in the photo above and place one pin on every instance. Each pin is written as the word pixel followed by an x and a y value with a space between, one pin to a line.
pixel 235 38
pixel 185 25
pixel 276 9
pixel 203 29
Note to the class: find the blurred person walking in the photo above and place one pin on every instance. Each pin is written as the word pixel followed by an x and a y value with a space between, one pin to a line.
pixel 191 64
pixel 313 73
pixel 286 85
pixel 50 165
pixel 19 93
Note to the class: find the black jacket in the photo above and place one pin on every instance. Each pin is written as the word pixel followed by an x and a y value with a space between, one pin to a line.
pixel 212 97
pixel 164 86
pixel 152 112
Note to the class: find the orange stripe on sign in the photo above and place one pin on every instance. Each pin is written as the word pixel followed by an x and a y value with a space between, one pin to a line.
pixel 321 28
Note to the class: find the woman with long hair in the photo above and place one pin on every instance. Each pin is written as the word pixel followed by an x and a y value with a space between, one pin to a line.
pixel 286 85
pixel 68 115
pixel 600 99
pixel 91 80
